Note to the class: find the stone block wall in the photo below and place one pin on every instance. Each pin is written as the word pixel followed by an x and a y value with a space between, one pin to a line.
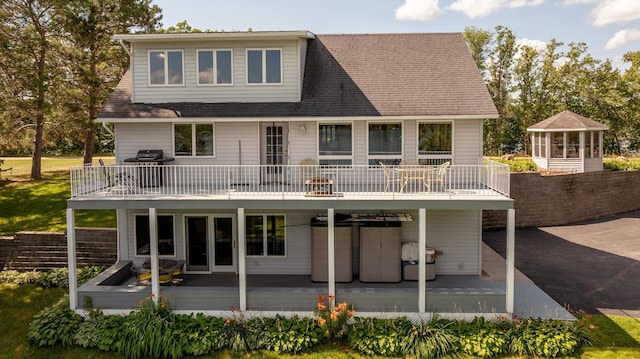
pixel 541 201
pixel 48 250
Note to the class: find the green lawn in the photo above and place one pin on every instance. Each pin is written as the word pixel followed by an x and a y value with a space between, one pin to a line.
pixel 27 205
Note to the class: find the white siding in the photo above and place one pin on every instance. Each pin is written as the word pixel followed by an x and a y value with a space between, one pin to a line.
pixel 298 258
pixel 456 234
pixel 132 137
pixel 565 164
pixel 302 145
pixel 593 164
pixel 467 142
pixel 288 91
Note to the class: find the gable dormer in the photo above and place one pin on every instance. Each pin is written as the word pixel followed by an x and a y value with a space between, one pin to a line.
pixel 217 67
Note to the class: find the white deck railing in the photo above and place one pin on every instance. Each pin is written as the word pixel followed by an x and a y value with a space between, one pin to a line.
pixel 491 178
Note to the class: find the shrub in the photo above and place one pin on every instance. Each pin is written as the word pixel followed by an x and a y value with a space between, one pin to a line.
pixel 241 334
pixel 100 331
pixel 481 338
pixel 147 332
pixel 374 336
pixel 55 325
pixel 333 317
pixel 16 277
pixel 431 340
pixel 292 335
pixel 548 338
pixel 58 277
pixel 199 334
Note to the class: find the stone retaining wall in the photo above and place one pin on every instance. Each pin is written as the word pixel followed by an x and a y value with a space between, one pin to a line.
pixel 48 250
pixel 542 201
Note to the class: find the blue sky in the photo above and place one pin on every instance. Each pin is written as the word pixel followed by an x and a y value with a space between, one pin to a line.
pixel 610 28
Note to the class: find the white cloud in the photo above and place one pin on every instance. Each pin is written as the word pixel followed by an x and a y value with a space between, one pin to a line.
pixel 622 37
pixel 615 11
pixel 423 10
pixel 474 8
pixel 536 44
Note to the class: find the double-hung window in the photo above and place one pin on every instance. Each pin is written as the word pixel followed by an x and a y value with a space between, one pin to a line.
pixel 435 143
pixel 166 67
pixel 385 143
pixel 264 66
pixel 265 235
pixel 215 67
pixel 193 139
pixel 335 144
pixel 166 235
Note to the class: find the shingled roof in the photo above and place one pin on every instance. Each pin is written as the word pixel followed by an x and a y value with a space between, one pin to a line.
pixel 355 75
pixel 567 121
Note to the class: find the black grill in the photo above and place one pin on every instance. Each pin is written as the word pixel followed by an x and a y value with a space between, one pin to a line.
pixel 150 173
pixel 150 156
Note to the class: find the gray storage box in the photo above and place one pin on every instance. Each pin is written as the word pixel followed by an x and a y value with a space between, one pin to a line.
pixel 320 254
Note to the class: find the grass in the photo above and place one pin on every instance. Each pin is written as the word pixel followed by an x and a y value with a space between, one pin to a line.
pixel 40 205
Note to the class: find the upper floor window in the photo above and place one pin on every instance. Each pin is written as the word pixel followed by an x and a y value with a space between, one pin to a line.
pixel 265 235
pixel 264 66
pixel 335 144
pixel 385 143
pixel 166 235
pixel 215 67
pixel 193 139
pixel 166 67
pixel 435 143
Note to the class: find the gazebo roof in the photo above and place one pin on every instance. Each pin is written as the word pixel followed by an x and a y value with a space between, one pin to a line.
pixel 567 121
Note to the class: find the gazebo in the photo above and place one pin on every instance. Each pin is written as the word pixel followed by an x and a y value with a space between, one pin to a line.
pixel 567 142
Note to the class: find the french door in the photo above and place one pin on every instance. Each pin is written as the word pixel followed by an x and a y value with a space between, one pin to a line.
pixel 274 149
pixel 210 243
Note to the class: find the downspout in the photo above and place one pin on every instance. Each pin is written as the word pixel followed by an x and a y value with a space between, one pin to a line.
pixel 106 128
pixel 125 47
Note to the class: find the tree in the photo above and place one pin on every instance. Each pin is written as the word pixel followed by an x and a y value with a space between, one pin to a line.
pixel 30 67
pixel 95 62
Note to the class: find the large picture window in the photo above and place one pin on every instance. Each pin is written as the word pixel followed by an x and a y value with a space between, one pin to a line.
pixel 193 139
pixel 265 235
pixel 335 144
pixel 166 235
pixel 385 143
pixel 435 143
pixel 214 67
pixel 166 67
pixel 264 66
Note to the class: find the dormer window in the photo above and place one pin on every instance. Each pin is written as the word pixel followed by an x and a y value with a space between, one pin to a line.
pixel 264 66
pixel 215 67
pixel 166 67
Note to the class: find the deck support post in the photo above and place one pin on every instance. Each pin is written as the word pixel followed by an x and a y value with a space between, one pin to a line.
pixel 71 259
pixel 153 246
pixel 331 256
pixel 242 269
pixel 511 235
pixel 422 266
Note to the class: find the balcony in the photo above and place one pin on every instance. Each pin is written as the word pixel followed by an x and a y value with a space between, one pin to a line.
pixel 144 181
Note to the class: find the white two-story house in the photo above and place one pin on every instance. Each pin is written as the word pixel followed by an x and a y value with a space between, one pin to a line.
pixel 262 169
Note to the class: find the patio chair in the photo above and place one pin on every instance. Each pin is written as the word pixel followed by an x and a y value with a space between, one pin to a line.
pixel 437 176
pixel 115 179
pixel 390 176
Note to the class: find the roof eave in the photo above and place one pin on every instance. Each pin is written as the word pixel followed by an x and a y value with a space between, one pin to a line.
pixel 200 36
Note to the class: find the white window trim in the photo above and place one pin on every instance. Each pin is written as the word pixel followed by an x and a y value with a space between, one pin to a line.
pixel 453 140
pixel 336 157
pixel 166 68
pixel 264 238
pixel 215 67
pixel 385 157
pixel 264 67
pixel 135 238
pixel 193 139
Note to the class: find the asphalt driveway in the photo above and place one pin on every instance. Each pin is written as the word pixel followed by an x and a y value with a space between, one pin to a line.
pixel 592 266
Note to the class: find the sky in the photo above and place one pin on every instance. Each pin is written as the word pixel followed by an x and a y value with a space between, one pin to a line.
pixel 610 28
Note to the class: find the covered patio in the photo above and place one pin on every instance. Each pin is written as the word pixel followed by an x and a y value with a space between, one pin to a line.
pixel 216 293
